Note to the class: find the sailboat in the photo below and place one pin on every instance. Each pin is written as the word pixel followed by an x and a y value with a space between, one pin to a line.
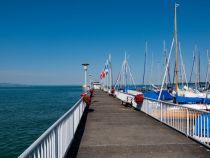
pixel 156 93
pixel 125 88
pixel 187 96
pixel 194 95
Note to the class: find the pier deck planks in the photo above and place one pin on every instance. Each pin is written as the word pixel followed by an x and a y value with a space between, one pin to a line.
pixel 110 129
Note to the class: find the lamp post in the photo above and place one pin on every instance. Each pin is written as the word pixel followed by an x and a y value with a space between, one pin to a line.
pixel 85 66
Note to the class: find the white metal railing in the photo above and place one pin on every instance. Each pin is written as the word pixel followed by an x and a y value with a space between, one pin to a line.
pixel 191 122
pixel 56 140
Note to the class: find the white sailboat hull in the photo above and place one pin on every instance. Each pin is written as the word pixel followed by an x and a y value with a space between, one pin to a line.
pixel 192 93
pixel 129 98
pixel 197 106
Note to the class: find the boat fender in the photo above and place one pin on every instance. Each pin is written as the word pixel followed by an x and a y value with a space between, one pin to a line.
pixel 139 98
pixel 112 91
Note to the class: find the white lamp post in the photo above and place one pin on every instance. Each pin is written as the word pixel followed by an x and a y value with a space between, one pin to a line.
pixel 85 66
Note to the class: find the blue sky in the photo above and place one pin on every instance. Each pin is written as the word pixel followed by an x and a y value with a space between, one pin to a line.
pixel 45 42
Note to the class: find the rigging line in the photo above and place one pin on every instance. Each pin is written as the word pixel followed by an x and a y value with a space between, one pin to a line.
pixel 129 69
pixel 166 69
pixel 192 67
pixel 151 69
pixel 119 76
pixel 165 60
pixel 182 63
pixel 199 70
pixel 169 78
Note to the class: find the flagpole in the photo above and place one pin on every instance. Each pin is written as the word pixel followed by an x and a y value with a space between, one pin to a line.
pixel 107 75
pixel 110 68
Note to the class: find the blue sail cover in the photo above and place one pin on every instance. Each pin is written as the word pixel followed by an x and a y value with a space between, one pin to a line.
pixel 165 95
pixel 202 125
pixel 206 100
pixel 181 99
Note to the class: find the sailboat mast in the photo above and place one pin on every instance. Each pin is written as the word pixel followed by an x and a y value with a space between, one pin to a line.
pixel 208 70
pixel 199 69
pixel 125 72
pixel 165 55
pixel 176 46
pixel 208 81
pixel 145 58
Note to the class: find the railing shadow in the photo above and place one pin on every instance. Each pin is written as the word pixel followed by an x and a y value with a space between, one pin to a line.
pixel 73 150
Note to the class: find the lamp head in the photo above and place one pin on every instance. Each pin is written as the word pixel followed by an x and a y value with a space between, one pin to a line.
pixel 85 66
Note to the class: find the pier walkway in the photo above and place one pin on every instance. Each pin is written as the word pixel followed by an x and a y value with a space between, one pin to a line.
pixel 109 129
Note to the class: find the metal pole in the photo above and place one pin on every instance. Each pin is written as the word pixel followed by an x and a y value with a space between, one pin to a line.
pixel 110 67
pixel 145 59
pixel 85 80
pixel 85 66
pixel 176 46
pixel 187 123
pixel 161 112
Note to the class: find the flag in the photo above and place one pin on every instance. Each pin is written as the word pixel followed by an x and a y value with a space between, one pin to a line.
pixel 106 69
pixel 176 4
pixel 102 75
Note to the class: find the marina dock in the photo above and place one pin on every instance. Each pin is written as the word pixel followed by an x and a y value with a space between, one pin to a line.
pixel 109 129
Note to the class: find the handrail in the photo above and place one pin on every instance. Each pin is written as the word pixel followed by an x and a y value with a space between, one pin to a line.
pixel 173 104
pixel 50 139
pixel 193 123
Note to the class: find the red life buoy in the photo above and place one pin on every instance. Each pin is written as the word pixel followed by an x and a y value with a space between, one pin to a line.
pixel 139 98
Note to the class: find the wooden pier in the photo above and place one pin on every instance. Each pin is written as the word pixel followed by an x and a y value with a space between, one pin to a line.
pixel 109 129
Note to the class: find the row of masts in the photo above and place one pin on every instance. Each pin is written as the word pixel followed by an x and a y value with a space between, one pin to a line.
pixel 166 78
pixel 196 68
pixel 194 73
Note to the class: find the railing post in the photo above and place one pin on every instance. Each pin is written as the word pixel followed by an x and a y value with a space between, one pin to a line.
pixel 56 142
pixel 188 123
pixel 73 123
pixel 161 111
pixel 79 111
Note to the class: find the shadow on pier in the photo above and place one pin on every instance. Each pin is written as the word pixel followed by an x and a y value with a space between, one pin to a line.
pixel 73 150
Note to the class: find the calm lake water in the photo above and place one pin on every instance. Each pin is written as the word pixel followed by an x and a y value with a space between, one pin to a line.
pixel 26 112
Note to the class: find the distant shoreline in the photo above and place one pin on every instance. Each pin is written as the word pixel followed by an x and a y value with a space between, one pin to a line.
pixel 27 85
